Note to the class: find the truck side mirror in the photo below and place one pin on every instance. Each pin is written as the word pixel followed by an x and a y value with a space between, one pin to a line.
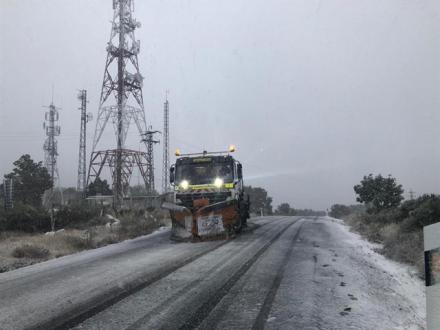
pixel 239 171
pixel 172 174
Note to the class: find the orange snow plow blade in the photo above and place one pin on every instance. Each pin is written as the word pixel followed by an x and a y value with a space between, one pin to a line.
pixel 203 220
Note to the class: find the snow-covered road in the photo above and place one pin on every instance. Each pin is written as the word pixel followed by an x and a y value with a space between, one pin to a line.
pixel 286 273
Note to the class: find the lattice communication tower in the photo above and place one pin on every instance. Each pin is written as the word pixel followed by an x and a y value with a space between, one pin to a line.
pixel 121 103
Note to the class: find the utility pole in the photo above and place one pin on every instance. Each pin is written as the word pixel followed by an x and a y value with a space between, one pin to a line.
pixel 150 142
pixel 85 118
pixel 411 194
pixel 166 145
pixel 50 148
pixel 121 103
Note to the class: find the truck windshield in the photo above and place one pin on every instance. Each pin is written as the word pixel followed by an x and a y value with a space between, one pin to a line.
pixel 204 173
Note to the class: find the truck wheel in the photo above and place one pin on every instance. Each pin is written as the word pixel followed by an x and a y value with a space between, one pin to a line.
pixel 238 227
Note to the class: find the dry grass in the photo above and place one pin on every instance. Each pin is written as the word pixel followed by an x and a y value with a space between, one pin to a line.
pixel 397 244
pixel 30 251
pixel 390 232
pixel 19 249
pixel 405 247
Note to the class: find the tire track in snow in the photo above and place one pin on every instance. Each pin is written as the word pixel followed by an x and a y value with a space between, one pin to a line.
pixel 261 319
pixel 203 311
pixel 102 302
pixel 117 294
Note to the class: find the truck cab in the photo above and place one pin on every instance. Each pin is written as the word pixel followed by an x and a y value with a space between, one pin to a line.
pixel 214 177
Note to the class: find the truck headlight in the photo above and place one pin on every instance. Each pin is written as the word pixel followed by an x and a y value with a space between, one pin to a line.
pixel 218 182
pixel 184 184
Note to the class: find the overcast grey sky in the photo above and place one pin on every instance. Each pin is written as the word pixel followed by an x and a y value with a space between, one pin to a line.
pixel 315 94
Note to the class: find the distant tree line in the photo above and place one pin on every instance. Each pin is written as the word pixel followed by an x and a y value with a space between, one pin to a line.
pixel 260 200
pixel 340 211
pixel 286 209
pixel 31 181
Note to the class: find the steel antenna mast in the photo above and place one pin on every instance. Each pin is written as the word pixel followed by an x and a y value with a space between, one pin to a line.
pixel 166 144
pixel 85 118
pixel 50 148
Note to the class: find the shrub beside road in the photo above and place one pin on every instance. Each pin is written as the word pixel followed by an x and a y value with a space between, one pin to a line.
pixel 383 218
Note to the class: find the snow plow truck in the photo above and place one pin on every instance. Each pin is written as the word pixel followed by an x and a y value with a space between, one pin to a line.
pixel 208 199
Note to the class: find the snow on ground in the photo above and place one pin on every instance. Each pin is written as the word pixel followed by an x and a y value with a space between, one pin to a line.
pixel 404 284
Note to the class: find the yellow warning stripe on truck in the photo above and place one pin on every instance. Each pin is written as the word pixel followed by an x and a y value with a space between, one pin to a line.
pixel 210 186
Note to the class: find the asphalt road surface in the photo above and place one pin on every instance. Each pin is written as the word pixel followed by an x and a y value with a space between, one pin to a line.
pixel 283 273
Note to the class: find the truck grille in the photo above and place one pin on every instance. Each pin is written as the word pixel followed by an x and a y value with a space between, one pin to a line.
pixel 214 197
